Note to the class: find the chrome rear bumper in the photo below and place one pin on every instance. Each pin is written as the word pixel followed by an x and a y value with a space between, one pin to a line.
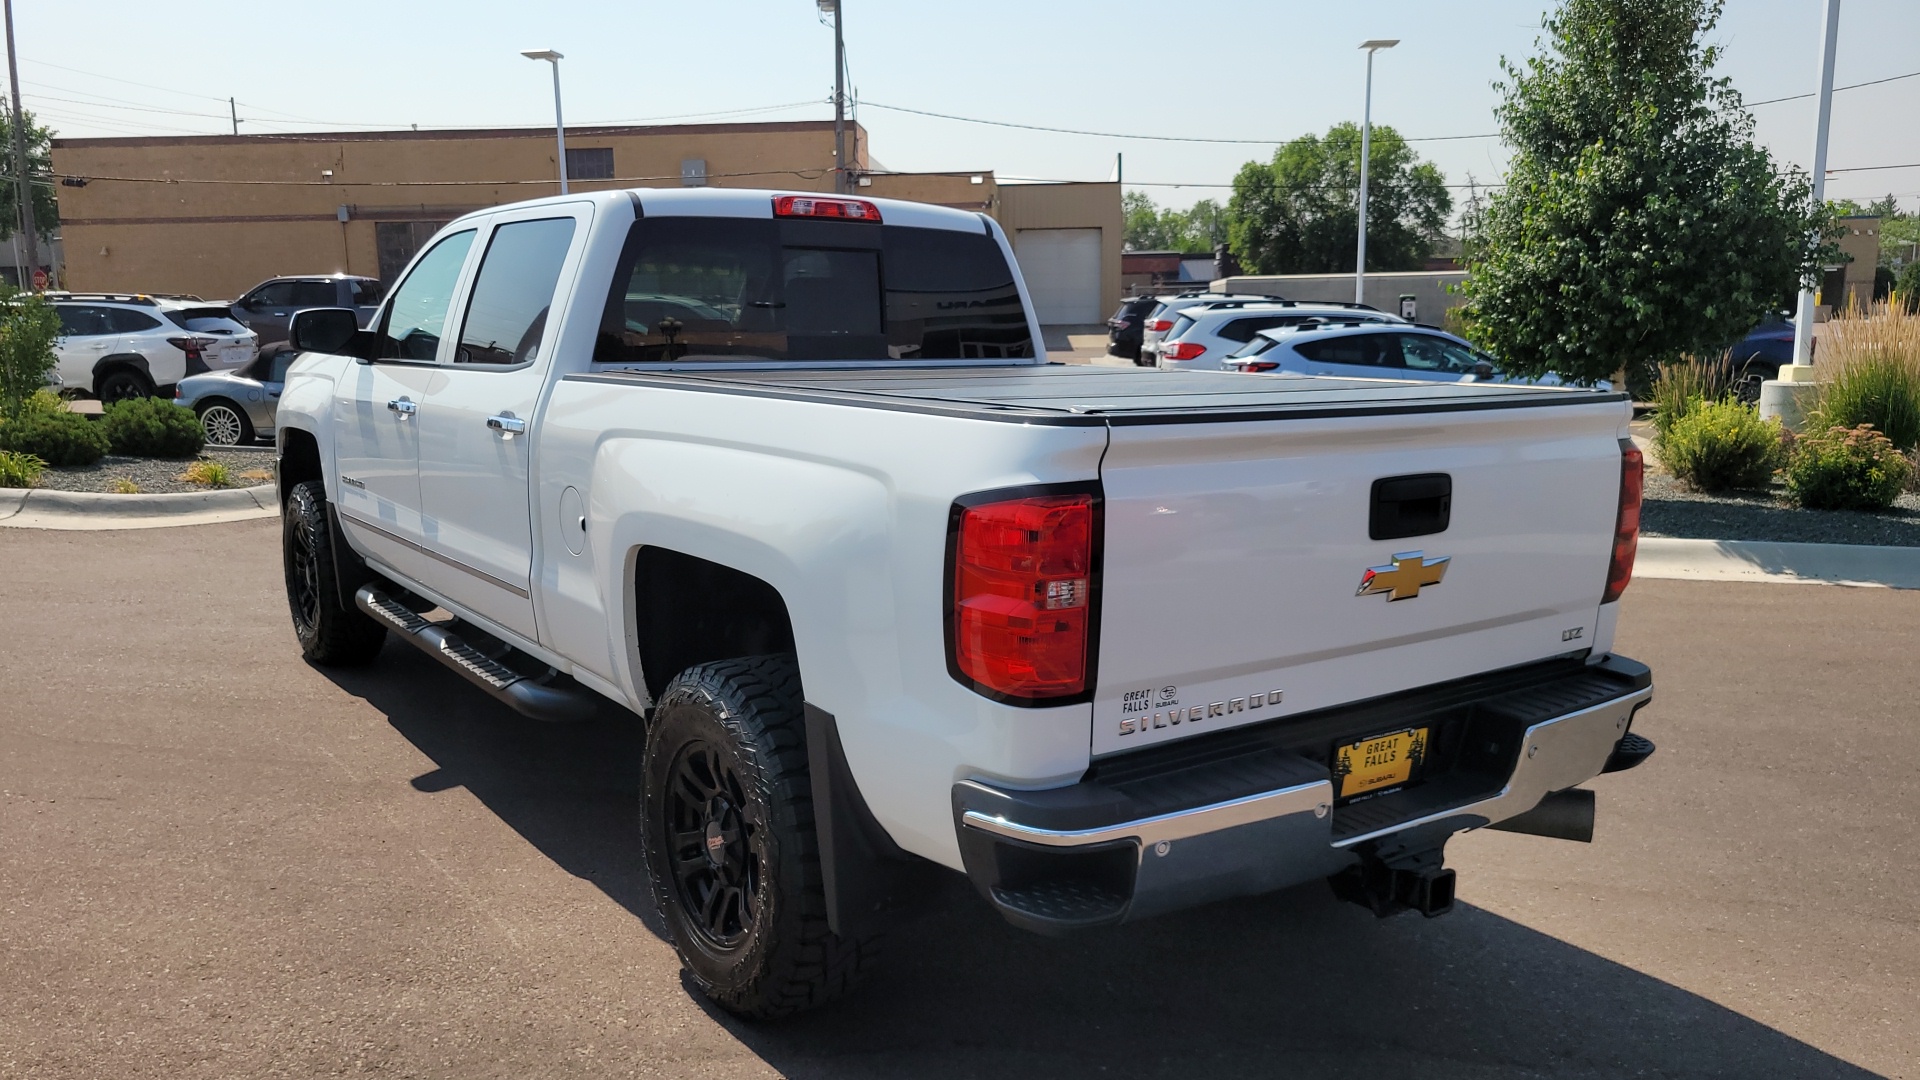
pixel 1082 856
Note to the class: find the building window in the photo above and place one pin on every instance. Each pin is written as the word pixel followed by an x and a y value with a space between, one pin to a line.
pixel 590 163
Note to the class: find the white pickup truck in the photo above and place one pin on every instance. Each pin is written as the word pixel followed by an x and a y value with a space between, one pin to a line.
pixel 788 479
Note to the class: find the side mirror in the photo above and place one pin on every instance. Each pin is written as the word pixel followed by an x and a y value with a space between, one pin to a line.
pixel 323 330
pixel 1483 370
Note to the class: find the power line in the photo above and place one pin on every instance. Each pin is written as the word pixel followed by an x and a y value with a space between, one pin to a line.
pixel 1837 89
pixel 804 174
pixel 1118 135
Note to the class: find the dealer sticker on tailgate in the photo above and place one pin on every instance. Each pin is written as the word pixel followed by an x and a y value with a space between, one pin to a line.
pixel 1379 761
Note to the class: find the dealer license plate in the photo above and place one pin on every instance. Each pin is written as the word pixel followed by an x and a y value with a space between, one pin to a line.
pixel 1379 761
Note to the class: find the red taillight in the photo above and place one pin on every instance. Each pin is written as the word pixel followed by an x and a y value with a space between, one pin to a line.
pixel 1160 326
pixel 1626 524
pixel 1258 366
pixel 838 209
pixel 1183 350
pixel 190 346
pixel 1022 595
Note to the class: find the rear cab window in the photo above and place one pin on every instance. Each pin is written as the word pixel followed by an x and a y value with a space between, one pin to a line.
pixel 734 289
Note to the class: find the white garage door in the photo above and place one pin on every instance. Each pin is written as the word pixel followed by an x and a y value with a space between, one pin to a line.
pixel 1062 268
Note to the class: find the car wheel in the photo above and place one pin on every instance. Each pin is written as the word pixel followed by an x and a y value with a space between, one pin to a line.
pixel 225 424
pixel 330 633
pixel 122 384
pixel 1745 385
pixel 727 831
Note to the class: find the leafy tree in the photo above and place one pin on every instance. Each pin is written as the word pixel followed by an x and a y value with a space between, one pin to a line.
pixel 46 211
pixel 1154 228
pixel 1639 221
pixel 28 329
pixel 1298 214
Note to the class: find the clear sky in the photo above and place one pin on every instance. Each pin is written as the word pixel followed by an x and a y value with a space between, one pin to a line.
pixel 1223 69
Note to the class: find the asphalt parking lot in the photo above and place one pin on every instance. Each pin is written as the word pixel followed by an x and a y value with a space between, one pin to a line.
pixel 217 861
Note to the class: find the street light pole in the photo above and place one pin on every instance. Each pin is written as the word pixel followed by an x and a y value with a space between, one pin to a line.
pixel 22 191
pixel 1366 149
pixel 1803 314
pixel 559 126
pixel 1785 396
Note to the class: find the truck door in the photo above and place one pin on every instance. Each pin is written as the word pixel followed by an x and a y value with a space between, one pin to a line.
pixel 475 424
pixel 376 437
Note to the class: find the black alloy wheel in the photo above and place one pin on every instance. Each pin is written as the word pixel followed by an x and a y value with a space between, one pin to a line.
pixel 329 632
pixel 123 385
pixel 716 847
pixel 726 827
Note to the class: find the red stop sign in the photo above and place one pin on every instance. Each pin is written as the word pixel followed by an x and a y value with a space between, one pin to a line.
pixel 39 279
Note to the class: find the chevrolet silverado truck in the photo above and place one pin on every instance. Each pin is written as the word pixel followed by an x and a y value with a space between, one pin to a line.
pixel 788 480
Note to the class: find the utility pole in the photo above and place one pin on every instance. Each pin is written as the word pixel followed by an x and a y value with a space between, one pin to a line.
pixel 23 194
pixel 1786 396
pixel 234 111
pixel 841 175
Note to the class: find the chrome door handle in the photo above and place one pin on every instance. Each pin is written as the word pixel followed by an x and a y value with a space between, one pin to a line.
pixel 403 406
pixel 508 423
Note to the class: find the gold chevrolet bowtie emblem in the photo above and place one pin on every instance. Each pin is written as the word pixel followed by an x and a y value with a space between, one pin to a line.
pixel 1403 578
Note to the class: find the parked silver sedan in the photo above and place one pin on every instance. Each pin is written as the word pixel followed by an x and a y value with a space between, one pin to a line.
pixel 237 407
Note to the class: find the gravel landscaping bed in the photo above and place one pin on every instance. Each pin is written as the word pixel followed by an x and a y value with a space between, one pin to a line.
pixel 1671 510
pixel 156 477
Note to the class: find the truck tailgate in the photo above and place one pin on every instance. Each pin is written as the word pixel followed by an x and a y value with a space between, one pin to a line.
pixel 1235 552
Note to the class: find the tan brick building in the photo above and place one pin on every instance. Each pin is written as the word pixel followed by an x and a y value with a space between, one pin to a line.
pixel 214 215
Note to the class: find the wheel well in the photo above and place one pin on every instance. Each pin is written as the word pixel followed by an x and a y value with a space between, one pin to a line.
pixel 107 365
pixel 299 460
pixel 690 611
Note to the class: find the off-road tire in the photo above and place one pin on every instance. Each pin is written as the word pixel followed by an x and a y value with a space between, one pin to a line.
pixel 330 634
pixel 744 716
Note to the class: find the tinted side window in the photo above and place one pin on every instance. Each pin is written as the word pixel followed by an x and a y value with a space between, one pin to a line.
pixel 312 294
pixel 1244 329
pixel 122 321
pixel 1423 353
pixel 513 292
pixel 80 321
pixel 1181 324
pixel 418 315
pixel 368 293
pixel 277 294
pixel 1363 349
pixel 1253 348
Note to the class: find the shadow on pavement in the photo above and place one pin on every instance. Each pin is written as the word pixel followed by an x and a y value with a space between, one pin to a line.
pixel 1294 984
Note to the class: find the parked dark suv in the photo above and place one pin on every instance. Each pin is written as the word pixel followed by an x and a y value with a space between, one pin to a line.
pixel 267 306
pixel 1123 330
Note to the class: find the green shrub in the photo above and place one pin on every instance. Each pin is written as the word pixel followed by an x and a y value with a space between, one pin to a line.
pixel 153 427
pixel 19 470
pixel 63 438
pixel 1720 446
pixel 44 402
pixel 29 327
pixel 1683 384
pixel 1846 469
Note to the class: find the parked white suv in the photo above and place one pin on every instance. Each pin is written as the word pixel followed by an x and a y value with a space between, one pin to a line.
pixel 1202 336
pixel 1160 320
pixel 115 346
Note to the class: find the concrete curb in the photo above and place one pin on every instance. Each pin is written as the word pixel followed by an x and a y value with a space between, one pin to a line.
pixel 38 508
pixel 1755 560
